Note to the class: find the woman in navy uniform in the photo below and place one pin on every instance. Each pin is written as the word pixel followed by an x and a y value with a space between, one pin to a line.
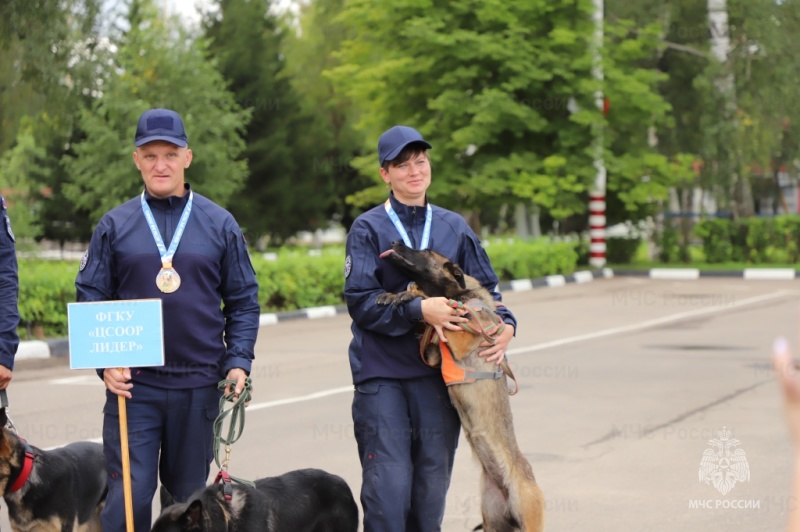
pixel 174 244
pixel 405 426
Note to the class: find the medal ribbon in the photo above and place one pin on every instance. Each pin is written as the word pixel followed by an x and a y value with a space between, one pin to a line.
pixel 167 254
pixel 426 231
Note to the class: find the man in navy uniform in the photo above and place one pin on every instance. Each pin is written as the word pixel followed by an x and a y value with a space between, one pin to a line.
pixel 174 244
pixel 9 296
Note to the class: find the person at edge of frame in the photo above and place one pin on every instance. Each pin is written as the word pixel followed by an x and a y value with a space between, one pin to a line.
pixel 9 298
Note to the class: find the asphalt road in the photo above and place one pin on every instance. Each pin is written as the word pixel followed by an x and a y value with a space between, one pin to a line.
pixel 624 382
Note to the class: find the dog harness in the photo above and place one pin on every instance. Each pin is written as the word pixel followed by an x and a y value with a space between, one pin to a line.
pixel 483 321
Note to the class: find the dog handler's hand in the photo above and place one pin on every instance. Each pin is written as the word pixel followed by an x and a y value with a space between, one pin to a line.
pixel 238 375
pixel 116 382
pixel 495 352
pixel 5 377
pixel 438 313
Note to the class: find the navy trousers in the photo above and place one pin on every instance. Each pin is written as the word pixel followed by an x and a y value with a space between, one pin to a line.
pixel 171 435
pixel 407 434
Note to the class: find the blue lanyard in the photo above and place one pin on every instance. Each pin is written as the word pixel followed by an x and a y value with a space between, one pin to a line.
pixel 167 254
pixel 426 231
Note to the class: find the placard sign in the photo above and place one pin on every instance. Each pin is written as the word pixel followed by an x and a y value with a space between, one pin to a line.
pixel 115 334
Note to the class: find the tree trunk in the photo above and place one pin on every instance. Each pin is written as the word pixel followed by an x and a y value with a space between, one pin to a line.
pixel 740 188
pixel 521 221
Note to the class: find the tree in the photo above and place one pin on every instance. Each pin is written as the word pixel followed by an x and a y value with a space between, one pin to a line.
pixel 490 83
pixel 156 65
pixel 310 52
pixel 766 122
pixel 733 102
pixel 40 41
pixel 18 167
pixel 288 188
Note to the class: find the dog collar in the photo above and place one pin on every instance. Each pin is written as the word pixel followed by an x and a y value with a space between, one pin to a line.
pixel 227 487
pixel 27 465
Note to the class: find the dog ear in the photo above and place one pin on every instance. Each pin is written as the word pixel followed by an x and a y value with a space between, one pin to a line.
pixel 192 518
pixel 166 498
pixel 457 273
pixel 3 417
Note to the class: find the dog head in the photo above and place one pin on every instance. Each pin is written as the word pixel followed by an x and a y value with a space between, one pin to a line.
pixel 206 510
pixel 434 274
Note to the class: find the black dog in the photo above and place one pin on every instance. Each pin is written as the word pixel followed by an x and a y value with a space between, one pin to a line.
pixel 51 491
pixel 306 500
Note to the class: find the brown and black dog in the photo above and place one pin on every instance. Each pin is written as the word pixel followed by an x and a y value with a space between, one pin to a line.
pixel 511 499
pixel 60 490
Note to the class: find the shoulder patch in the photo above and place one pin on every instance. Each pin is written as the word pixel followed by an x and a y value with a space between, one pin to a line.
pixel 84 261
pixel 348 266
pixel 8 228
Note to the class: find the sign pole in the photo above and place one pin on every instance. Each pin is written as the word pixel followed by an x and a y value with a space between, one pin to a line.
pixel 126 462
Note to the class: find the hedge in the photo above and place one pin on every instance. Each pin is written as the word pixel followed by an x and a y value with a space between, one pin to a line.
pixel 750 240
pixel 288 280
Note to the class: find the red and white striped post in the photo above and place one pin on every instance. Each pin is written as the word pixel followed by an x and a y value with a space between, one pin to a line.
pixel 597 196
pixel 597 228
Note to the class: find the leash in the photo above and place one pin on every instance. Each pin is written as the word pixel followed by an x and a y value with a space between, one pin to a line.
pixel 235 429
pixel 4 405
pixel 453 371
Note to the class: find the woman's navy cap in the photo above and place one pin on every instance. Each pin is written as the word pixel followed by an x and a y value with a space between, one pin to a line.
pixel 161 124
pixel 395 139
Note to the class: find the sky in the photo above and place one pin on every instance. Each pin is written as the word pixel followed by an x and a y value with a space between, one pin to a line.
pixel 188 8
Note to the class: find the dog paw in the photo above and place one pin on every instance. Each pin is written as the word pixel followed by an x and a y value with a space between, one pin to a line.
pixel 433 356
pixel 404 297
pixel 385 299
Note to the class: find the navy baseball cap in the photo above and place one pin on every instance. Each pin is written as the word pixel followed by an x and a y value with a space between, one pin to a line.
pixel 161 124
pixel 395 139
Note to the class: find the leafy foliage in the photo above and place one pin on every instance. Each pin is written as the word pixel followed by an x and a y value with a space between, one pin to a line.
pixel 716 235
pixel 19 167
pixel 505 93
pixel 174 73
pixel 283 114
pixel 310 52
pixel 293 280
pixel 531 259
pixel 45 288
pixel 299 142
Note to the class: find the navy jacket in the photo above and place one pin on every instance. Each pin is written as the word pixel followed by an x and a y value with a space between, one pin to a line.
pixel 211 321
pixel 384 343
pixel 9 291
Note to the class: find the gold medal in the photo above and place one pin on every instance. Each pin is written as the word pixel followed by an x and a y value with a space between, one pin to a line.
pixel 168 280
